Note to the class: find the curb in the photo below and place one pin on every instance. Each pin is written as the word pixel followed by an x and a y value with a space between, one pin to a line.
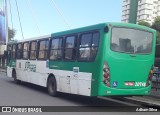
pixel 139 102
pixel 142 102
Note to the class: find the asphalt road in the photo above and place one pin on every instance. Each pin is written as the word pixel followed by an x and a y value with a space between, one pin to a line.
pixel 26 94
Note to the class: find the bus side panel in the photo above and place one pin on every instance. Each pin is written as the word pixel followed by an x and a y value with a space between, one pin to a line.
pixel 97 67
pixel 68 81
pixel 32 71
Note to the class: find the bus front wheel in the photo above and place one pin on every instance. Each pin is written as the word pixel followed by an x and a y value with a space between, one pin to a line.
pixel 52 86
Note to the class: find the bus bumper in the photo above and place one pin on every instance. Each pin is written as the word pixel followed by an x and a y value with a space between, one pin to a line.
pixel 107 91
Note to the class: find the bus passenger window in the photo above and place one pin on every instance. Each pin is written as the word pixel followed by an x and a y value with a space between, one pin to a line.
pixel 14 51
pixel 25 50
pixel 84 50
pixel 19 51
pixel 88 46
pixel 70 52
pixel 95 42
pixel 43 48
pixel 56 49
pixel 33 50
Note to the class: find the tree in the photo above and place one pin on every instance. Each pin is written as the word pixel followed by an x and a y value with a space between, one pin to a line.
pixel 158 37
pixel 11 33
pixel 144 23
pixel 156 24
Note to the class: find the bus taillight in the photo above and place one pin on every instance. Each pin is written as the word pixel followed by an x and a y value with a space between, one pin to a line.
pixel 150 77
pixel 106 75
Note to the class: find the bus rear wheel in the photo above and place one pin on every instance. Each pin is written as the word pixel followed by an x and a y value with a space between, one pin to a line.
pixel 52 87
pixel 15 77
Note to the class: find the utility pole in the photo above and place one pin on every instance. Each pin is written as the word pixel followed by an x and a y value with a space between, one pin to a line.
pixel 6 23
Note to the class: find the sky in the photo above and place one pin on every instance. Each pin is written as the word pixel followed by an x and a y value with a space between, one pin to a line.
pixel 43 14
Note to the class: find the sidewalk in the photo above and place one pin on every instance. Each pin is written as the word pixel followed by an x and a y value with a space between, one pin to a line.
pixel 155 93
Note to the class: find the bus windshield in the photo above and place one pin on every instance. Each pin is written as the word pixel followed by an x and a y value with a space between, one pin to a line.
pixel 128 40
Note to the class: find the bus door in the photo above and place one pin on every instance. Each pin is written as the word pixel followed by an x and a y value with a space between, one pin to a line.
pixel 8 54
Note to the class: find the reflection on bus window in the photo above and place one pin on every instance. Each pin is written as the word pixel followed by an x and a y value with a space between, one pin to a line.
pixel 19 51
pixel 14 52
pixel 56 49
pixel 33 50
pixel 70 52
pixel 25 50
pixel 88 46
pixel 43 48
pixel 131 41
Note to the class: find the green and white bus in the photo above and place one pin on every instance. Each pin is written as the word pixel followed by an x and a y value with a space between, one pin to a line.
pixel 106 59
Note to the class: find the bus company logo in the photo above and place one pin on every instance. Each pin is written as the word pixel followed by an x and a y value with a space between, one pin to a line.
pixel 6 109
pixel 30 67
pixel 115 84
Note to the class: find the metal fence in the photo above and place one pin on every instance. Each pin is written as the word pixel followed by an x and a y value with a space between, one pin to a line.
pixel 156 82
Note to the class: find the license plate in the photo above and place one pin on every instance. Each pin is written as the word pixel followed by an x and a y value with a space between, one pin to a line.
pixel 129 83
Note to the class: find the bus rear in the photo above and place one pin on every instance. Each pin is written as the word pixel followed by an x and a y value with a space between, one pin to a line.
pixel 128 60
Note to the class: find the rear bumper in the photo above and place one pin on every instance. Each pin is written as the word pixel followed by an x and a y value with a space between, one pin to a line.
pixel 106 91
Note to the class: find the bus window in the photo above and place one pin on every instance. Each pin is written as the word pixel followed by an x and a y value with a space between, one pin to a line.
pixel 33 47
pixel 94 47
pixel 19 51
pixel 9 49
pixel 70 52
pixel 14 51
pixel 25 50
pixel 128 40
pixel 43 48
pixel 88 46
pixel 56 49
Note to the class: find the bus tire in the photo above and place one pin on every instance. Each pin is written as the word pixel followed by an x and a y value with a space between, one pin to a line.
pixel 14 75
pixel 52 86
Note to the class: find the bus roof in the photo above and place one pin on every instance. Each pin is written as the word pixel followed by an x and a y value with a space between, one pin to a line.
pixel 102 26
pixel 88 28
pixel 29 39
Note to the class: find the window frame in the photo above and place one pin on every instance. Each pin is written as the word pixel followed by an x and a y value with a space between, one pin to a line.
pixel 74 48
pixel 26 51
pixel 30 46
pixel 134 29
pixel 38 49
pixel 90 46
pixel 15 50
pixel 50 48
pixel 19 50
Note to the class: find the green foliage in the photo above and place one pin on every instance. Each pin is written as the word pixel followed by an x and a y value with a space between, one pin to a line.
pixel 158 37
pixel 144 23
pixel 11 33
pixel 156 24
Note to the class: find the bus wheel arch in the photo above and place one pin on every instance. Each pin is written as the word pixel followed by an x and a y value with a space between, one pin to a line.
pixel 14 76
pixel 52 85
